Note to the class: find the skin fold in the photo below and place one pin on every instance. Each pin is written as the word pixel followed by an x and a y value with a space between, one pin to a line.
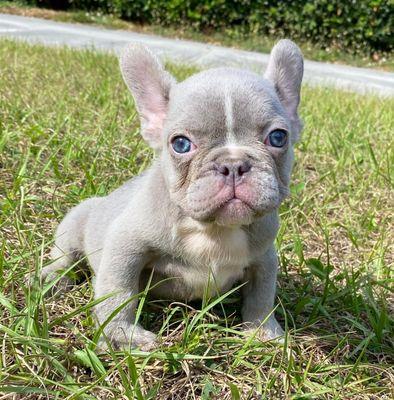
pixel 206 218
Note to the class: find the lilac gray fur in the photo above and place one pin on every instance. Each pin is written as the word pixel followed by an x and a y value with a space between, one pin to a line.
pixel 184 218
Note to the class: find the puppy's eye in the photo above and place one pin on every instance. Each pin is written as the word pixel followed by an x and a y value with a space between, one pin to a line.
pixel 181 144
pixel 276 138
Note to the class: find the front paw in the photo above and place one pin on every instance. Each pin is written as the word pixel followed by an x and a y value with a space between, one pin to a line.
pixel 270 330
pixel 127 337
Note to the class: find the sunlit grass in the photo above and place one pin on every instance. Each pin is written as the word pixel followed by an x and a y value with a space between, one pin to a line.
pixel 68 131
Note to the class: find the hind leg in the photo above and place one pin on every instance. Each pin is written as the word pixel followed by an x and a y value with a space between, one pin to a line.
pixel 69 245
pixel 61 260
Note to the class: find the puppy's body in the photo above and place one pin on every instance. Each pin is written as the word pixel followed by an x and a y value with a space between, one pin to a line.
pixel 200 219
pixel 189 251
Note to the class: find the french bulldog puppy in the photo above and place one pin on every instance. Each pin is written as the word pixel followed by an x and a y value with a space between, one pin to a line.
pixel 205 214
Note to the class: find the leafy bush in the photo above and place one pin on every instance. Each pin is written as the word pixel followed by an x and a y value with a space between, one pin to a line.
pixel 356 25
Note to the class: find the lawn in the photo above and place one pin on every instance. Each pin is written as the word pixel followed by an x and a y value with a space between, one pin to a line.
pixel 69 131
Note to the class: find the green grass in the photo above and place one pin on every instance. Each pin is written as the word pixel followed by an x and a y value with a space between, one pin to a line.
pixel 229 37
pixel 69 130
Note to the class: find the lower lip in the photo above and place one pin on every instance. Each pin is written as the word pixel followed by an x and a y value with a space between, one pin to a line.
pixel 234 201
pixel 234 210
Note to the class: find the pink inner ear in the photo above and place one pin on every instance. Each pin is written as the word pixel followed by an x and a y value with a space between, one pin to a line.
pixel 153 125
pixel 150 85
pixel 153 113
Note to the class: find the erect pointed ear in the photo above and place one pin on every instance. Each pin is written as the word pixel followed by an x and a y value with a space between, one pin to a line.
pixel 285 70
pixel 150 86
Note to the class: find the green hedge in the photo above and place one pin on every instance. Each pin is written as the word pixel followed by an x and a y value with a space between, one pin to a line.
pixel 362 26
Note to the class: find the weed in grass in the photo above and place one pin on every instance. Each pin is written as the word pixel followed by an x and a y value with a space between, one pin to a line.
pixel 69 131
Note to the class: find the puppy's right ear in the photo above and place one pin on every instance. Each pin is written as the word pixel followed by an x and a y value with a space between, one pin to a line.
pixel 150 86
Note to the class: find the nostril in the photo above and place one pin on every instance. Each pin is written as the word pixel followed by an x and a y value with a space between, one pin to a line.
pixel 243 168
pixel 224 170
pixel 236 169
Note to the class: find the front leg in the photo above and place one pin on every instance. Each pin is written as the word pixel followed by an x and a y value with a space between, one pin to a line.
pixel 119 273
pixel 259 295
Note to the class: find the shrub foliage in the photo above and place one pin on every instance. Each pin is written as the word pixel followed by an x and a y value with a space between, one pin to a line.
pixel 362 26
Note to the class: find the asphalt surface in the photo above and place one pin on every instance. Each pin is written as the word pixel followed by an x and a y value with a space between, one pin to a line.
pixel 35 30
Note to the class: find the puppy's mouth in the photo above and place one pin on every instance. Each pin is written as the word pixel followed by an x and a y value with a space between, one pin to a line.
pixel 234 211
pixel 211 199
pixel 234 201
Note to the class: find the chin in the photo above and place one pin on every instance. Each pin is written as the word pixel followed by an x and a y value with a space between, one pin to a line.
pixel 234 213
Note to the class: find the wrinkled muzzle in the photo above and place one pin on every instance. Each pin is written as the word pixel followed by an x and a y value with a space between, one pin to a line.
pixel 234 188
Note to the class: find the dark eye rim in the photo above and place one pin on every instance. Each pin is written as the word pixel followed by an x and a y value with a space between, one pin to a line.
pixel 267 141
pixel 181 137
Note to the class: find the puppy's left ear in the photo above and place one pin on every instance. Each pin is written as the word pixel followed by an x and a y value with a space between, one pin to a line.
pixel 285 70
pixel 150 86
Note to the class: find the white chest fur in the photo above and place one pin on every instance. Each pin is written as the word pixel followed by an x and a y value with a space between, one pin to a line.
pixel 217 255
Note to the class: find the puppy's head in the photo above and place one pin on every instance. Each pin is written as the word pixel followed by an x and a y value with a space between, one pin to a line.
pixel 225 136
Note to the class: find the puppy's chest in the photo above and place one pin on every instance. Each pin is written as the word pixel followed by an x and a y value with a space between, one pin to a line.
pixel 213 258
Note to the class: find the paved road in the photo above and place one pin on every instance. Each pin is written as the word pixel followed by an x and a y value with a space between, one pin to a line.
pixel 359 80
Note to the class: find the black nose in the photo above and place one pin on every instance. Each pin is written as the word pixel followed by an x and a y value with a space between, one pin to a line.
pixel 235 169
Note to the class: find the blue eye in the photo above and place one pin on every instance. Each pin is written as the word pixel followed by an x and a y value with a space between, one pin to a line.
pixel 277 138
pixel 181 144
